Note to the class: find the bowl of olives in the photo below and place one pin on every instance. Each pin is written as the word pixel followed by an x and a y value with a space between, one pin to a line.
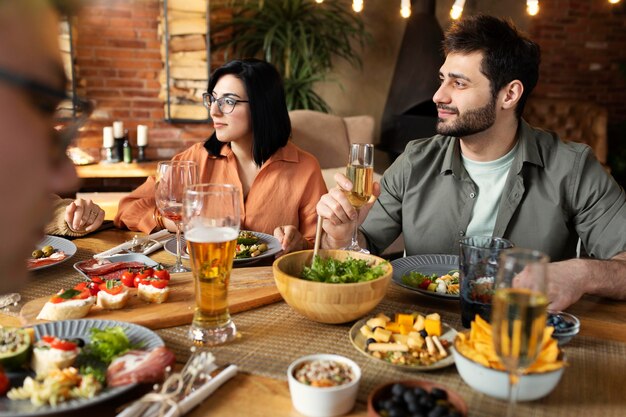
pixel 566 326
pixel 415 397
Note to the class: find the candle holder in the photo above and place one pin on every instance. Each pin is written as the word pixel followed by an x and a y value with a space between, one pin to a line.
pixel 141 153
pixel 109 155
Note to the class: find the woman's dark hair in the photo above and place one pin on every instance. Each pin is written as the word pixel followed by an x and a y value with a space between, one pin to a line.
pixel 508 55
pixel 271 125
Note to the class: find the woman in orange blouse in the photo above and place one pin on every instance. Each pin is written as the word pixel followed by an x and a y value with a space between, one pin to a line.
pixel 281 184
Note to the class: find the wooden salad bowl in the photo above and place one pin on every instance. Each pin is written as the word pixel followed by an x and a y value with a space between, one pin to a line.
pixel 329 302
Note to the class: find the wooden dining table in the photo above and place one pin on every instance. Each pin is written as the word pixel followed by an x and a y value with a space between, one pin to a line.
pixel 273 335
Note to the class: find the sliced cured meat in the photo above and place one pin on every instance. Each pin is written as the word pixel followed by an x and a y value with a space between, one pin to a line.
pixel 49 260
pixel 140 366
pixel 94 267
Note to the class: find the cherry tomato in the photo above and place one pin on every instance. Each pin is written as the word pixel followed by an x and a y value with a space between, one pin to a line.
pixel 128 278
pixel 137 281
pixel 97 280
pixel 162 273
pixel 4 382
pixel 156 283
pixel 62 344
pixel 48 339
pixel 145 273
pixel 159 283
pixel 80 286
pixel 424 285
pixel 111 289
pixel 94 288
pixel 83 294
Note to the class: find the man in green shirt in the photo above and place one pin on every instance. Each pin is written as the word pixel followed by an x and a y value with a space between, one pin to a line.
pixel 488 172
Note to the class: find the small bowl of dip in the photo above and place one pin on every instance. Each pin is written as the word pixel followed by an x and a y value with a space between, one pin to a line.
pixel 323 385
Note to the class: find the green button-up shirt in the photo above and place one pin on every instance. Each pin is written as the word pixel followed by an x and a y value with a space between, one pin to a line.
pixel 555 193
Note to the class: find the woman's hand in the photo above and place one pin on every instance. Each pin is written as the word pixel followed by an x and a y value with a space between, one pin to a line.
pixel 83 215
pixel 290 238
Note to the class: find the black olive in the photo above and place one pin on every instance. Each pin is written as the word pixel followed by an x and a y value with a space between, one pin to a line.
pixel 423 333
pixel 419 391
pixel 397 390
pixel 439 394
pixel 78 341
pixel 438 411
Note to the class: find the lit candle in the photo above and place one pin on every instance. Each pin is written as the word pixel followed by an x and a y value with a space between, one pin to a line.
pixel 107 137
pixel 142 135
pixel 118 129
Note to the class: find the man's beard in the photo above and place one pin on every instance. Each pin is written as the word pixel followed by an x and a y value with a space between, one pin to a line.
pixel 469 122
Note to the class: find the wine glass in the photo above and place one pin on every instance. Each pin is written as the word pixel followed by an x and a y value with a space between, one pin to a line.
pixel 360 171
pixel 212 220
pixel 518 312
pixel 171 179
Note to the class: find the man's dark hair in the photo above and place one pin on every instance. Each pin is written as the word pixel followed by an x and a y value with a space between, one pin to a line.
pixel 507 54
pixel 271 125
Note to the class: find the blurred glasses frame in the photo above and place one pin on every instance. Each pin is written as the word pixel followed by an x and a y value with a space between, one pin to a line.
pixel 47 101
pixel 225 104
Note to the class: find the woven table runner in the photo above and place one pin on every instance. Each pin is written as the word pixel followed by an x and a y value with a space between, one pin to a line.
pixel 274 336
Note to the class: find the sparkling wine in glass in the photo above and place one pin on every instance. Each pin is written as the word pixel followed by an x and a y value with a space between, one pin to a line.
pixel 171 179
pixel 519 312
pixel 360 171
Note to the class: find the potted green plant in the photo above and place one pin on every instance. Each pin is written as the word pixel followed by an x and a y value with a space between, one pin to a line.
pixel 300 37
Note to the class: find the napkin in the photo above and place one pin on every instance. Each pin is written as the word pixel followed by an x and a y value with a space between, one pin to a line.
pixel 160 237
pixel 150 403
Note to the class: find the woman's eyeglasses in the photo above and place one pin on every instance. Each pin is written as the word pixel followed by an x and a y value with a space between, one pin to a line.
pixel 225 104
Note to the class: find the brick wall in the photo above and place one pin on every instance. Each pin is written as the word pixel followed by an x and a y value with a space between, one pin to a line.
pixel 583 43
pixel 118 60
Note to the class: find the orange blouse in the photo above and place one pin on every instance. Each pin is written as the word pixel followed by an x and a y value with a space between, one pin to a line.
pixel 284 192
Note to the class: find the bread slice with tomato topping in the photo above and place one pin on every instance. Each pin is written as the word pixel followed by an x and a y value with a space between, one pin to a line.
pixel 153 290
pixel 112 295
pixel 67 304
pixel 53 353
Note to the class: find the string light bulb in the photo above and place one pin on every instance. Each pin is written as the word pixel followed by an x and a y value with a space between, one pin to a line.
pixel 614 1
pixel 532 7
pixel 319 1
pixel 405 8
pixel 457 9
pixel 357 5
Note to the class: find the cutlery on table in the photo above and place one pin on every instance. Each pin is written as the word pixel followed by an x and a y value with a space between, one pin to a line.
pixel 159 237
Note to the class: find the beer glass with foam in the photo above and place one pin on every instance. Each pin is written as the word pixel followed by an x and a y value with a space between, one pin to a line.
pixel 211 217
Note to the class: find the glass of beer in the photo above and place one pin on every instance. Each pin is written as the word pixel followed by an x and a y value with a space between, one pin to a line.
pixel 211 217
pixel 518 313
pixel 360 171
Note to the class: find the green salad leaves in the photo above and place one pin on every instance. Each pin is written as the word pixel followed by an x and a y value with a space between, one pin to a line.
pixel 342 272
pixel 107 344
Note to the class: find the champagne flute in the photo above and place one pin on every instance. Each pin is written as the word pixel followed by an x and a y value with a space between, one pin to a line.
pixel 360 171
pixel 519 312
pixel 171 179
pixel 212 221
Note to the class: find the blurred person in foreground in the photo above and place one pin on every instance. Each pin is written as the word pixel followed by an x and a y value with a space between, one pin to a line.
pixel 489 173
pixel 33 163
pixel 280 184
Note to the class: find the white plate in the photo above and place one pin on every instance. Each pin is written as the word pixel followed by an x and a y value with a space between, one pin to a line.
pixel 125 257
pixel 57 243
pixel 273 247
pixel 448 333
pixel 427 265
pixel 71 329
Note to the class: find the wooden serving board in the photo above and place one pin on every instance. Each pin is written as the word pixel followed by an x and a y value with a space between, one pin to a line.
pixel 249 288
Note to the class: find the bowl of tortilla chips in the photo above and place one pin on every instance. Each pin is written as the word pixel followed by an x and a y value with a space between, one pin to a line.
pixel 480 368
